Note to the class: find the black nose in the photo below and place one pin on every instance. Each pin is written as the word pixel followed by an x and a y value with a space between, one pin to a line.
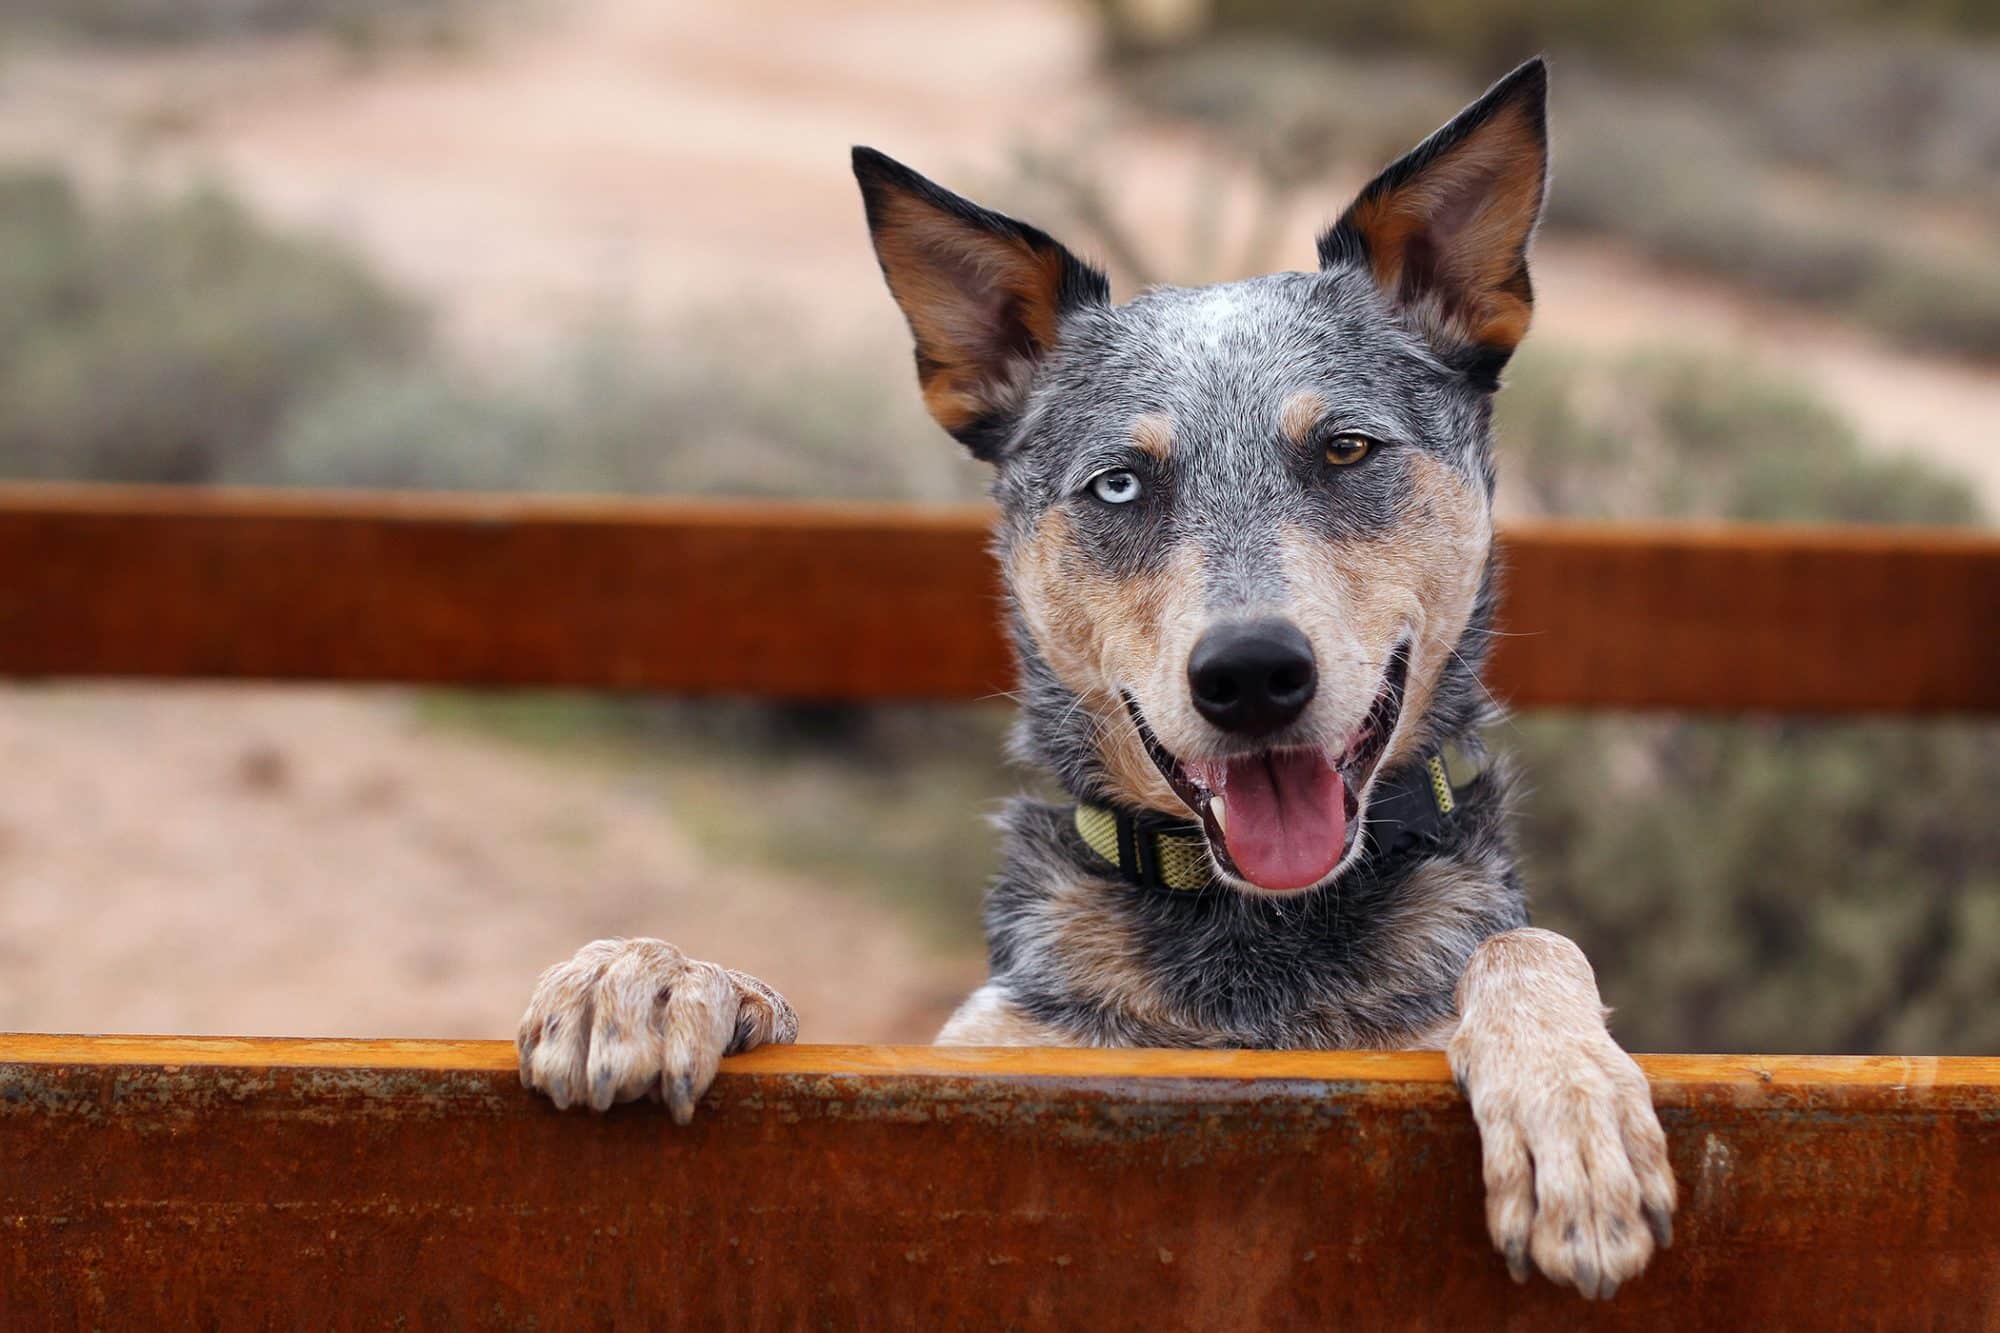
pixel 1253 677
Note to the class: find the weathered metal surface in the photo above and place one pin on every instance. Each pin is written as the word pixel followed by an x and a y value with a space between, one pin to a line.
pixel 881 601
pixel 182 1183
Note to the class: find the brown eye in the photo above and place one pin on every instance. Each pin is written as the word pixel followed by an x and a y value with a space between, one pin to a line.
pixel 1347 449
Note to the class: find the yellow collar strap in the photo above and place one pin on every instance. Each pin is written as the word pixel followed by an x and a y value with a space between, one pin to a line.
pixel 1167 855
pixel 1409 807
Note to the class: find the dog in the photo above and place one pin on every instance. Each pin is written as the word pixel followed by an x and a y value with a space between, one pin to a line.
pixel 1246 532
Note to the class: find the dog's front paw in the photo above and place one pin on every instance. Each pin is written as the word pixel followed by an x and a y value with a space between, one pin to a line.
pixel 1577 1178
pixel 638 1018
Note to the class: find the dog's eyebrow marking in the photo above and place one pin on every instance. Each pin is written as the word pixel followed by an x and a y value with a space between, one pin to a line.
pixel 1299 413
pixel 1153 432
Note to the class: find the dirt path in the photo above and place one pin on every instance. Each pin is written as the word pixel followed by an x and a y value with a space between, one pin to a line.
pixel 293 862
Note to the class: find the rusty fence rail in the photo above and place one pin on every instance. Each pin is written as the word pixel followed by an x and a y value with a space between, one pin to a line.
pixel 179 1182
pixel 844 601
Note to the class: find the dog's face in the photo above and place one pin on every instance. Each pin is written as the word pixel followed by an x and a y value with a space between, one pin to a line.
pixel 1244 526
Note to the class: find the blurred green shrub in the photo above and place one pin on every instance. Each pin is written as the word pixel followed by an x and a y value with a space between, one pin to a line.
pixel 356 23
pixel 179 339
pixel 167 341
pixel 1669 435
pixel 711 408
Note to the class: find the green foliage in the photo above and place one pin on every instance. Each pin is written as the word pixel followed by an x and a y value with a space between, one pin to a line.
pixel 180 340
pixel 1666 435
pixel 710 409
pixel 167 341
pixel 1692 182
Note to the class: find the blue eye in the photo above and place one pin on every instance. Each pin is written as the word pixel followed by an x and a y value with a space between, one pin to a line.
pixel 1119 486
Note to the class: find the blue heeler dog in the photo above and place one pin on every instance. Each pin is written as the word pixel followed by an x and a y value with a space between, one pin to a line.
pixel 1247 532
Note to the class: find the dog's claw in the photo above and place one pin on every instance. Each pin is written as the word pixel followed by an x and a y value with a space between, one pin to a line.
pixel 680 1098
pixel 1517 1261
pixel 1660 1222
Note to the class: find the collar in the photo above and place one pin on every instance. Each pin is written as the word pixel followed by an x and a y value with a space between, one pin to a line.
pixel 1411 806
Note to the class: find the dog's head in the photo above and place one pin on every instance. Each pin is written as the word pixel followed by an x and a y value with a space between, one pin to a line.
pixel 1245 527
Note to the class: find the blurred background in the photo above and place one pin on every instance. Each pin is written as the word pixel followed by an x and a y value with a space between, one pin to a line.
pixel 612 246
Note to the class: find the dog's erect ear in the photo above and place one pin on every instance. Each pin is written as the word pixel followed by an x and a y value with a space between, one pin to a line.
pixel 1445 230
pixel 984 295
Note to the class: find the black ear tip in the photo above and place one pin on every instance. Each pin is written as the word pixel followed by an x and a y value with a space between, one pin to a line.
pixel 877 168
pixel 1529 79
pixel 867 162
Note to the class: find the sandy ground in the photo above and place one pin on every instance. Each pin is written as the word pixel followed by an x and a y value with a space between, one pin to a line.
pixel 283 862
pixel 307 862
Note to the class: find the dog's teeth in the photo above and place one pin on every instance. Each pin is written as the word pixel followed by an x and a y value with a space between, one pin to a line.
pixel 1219 813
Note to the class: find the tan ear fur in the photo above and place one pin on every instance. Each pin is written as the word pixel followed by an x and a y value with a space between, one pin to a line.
pixel 984 295
pixel 1444 232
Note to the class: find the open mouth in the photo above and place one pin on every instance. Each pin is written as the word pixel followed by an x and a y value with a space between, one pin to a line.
pixel 1284 819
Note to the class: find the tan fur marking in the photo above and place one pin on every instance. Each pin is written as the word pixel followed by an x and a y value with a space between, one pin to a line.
pixel 1423 573
pixel 1153 432
pixel 953 398
pixel 928 256
pixel 1435 921
pixel 1097 953
pixel 1100 634
pixel 1577 1177
pixel 1299 413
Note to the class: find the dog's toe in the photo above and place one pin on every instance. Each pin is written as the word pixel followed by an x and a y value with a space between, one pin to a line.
pixel 625 1040
pixel 1645 1145
pixel 557 1065
pixel 1563 1241
pixel 1510 1191
pixel 699 1025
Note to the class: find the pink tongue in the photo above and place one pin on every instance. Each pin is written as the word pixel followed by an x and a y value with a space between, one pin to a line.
pixel 1286 818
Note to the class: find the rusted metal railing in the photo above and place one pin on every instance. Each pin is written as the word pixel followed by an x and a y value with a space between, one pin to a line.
pixel 197 1183
pixel 842 601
